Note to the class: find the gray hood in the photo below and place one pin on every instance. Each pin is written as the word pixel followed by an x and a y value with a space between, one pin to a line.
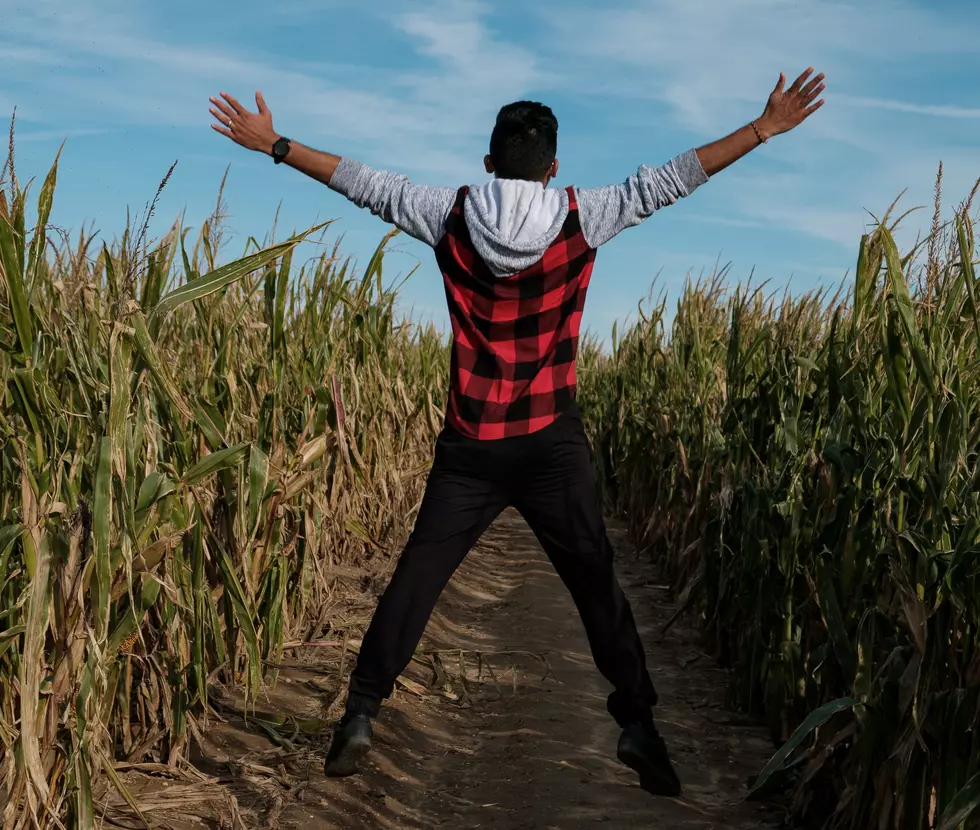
pixel 512 223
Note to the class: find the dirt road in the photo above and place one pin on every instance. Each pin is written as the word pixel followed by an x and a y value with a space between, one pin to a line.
pixel 517 749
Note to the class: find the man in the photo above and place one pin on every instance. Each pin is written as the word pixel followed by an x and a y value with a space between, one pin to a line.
pixel 516 259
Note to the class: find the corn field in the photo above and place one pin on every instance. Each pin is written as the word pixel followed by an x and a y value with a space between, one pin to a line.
pixel 807 472
pixel 188 454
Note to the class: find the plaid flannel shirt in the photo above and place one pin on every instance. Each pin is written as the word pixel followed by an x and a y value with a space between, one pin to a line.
pixel 515 338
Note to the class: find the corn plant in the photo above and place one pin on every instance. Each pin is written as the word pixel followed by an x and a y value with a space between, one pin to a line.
pixel 806 471
pixel 188 453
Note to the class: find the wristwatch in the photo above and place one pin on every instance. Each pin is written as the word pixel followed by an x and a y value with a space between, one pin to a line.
pixel 280 149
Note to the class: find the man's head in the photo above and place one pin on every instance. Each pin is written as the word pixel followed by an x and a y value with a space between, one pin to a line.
pixel 523 143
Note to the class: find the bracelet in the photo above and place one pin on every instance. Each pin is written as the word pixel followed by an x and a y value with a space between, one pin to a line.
pixel 758 135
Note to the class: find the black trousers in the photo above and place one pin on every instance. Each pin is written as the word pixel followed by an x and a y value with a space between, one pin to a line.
pixel 548 477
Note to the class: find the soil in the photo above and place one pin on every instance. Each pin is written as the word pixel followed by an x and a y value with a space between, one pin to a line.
pixel 510 730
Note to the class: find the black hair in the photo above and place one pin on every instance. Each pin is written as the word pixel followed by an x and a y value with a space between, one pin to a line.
pixel 524 141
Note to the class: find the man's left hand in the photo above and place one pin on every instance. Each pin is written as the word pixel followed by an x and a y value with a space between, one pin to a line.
pixel 788 108
pixel 252 130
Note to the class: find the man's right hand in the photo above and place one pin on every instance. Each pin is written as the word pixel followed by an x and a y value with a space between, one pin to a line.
pixel 789 108
pixel 251 130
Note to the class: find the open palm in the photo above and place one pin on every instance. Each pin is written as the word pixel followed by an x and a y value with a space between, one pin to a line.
pixel 252 130
pixel 788 108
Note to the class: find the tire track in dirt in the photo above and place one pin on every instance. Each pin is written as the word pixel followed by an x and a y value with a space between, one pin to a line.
pixel 543 756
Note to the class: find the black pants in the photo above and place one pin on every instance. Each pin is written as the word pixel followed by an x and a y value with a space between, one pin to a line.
pixel 548 477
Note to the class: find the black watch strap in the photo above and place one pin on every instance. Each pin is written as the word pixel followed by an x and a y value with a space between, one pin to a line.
pixel 280 149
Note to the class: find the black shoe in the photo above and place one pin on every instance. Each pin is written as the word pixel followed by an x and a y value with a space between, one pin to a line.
pixel 351 742
pixel 641 748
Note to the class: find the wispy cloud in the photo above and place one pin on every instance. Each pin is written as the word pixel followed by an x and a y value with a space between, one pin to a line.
pixel 414 85
pixel 30 136
pixel 728 221
pixel 709 66
pixel 706 58
pixel 459 67
pixel 455 34
pixel 937 110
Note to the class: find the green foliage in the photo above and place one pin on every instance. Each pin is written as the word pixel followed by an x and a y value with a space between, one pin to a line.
pixel 807 473
pixel 188 452
pixel 181 458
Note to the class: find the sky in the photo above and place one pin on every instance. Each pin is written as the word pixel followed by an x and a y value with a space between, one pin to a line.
pixel 414 87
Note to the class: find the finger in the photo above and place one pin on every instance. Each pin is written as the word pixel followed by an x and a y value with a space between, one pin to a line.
pixel 238 108
pixel 225 109
pixel 260 103
pixel 780 83
pixel 808 89
pixel 808 97
pixel 221 118
pixel 795 87
pixel 799 81
pixel 219 129
pixel 812 109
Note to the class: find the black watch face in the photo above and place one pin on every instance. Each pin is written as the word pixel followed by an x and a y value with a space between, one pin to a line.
pixel 280 148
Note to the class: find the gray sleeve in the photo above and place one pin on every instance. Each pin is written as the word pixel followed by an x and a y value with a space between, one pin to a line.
pixel 418 210
pixel 605 211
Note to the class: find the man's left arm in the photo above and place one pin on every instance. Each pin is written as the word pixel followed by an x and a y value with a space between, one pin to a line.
pixel 418 210
pixel 785 110
pixel 606 211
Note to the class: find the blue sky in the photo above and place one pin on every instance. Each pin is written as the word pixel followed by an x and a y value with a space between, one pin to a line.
pixel 414 87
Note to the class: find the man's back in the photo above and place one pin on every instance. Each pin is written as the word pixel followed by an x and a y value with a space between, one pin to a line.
pixel 515 337
pixel 516 259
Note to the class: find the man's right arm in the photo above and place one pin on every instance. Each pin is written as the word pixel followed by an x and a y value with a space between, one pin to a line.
pixel 606 211
pixel 419 211
pixel 314 163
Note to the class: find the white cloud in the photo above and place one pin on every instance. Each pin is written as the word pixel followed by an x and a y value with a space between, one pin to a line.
pixel 709 65
pixel 704 66
pixel 30 136
pixel 456 35
pixel 939 111
pixel 728 221
pixel 389 116
pixel 705 58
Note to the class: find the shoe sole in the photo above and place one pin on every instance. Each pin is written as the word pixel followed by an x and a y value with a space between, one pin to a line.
pixel 651 778
pixel 347 760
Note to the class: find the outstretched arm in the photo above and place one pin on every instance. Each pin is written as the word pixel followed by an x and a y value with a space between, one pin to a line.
pixel 606 211
pixel 418 210
pixel 785 110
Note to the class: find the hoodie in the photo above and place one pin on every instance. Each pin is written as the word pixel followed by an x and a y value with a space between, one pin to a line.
pixel 512 222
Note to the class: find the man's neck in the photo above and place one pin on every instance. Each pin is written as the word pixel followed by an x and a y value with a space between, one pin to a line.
pixel 543 183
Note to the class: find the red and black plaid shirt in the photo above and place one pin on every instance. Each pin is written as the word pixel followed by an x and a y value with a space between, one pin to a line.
pixel 515 338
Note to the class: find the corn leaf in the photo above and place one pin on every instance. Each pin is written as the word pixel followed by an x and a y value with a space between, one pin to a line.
pixel 906 313
pixel 224 459
pixel 225 275
pixel 101 530
pixel 13 278
pixel 963 805
pixel 818 717
pixel 44 202
pixel 151 357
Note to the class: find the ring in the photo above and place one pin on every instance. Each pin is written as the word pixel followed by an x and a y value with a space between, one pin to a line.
pixel 229 122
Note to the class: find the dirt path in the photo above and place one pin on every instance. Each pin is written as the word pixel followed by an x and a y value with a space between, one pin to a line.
pixel 525 751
